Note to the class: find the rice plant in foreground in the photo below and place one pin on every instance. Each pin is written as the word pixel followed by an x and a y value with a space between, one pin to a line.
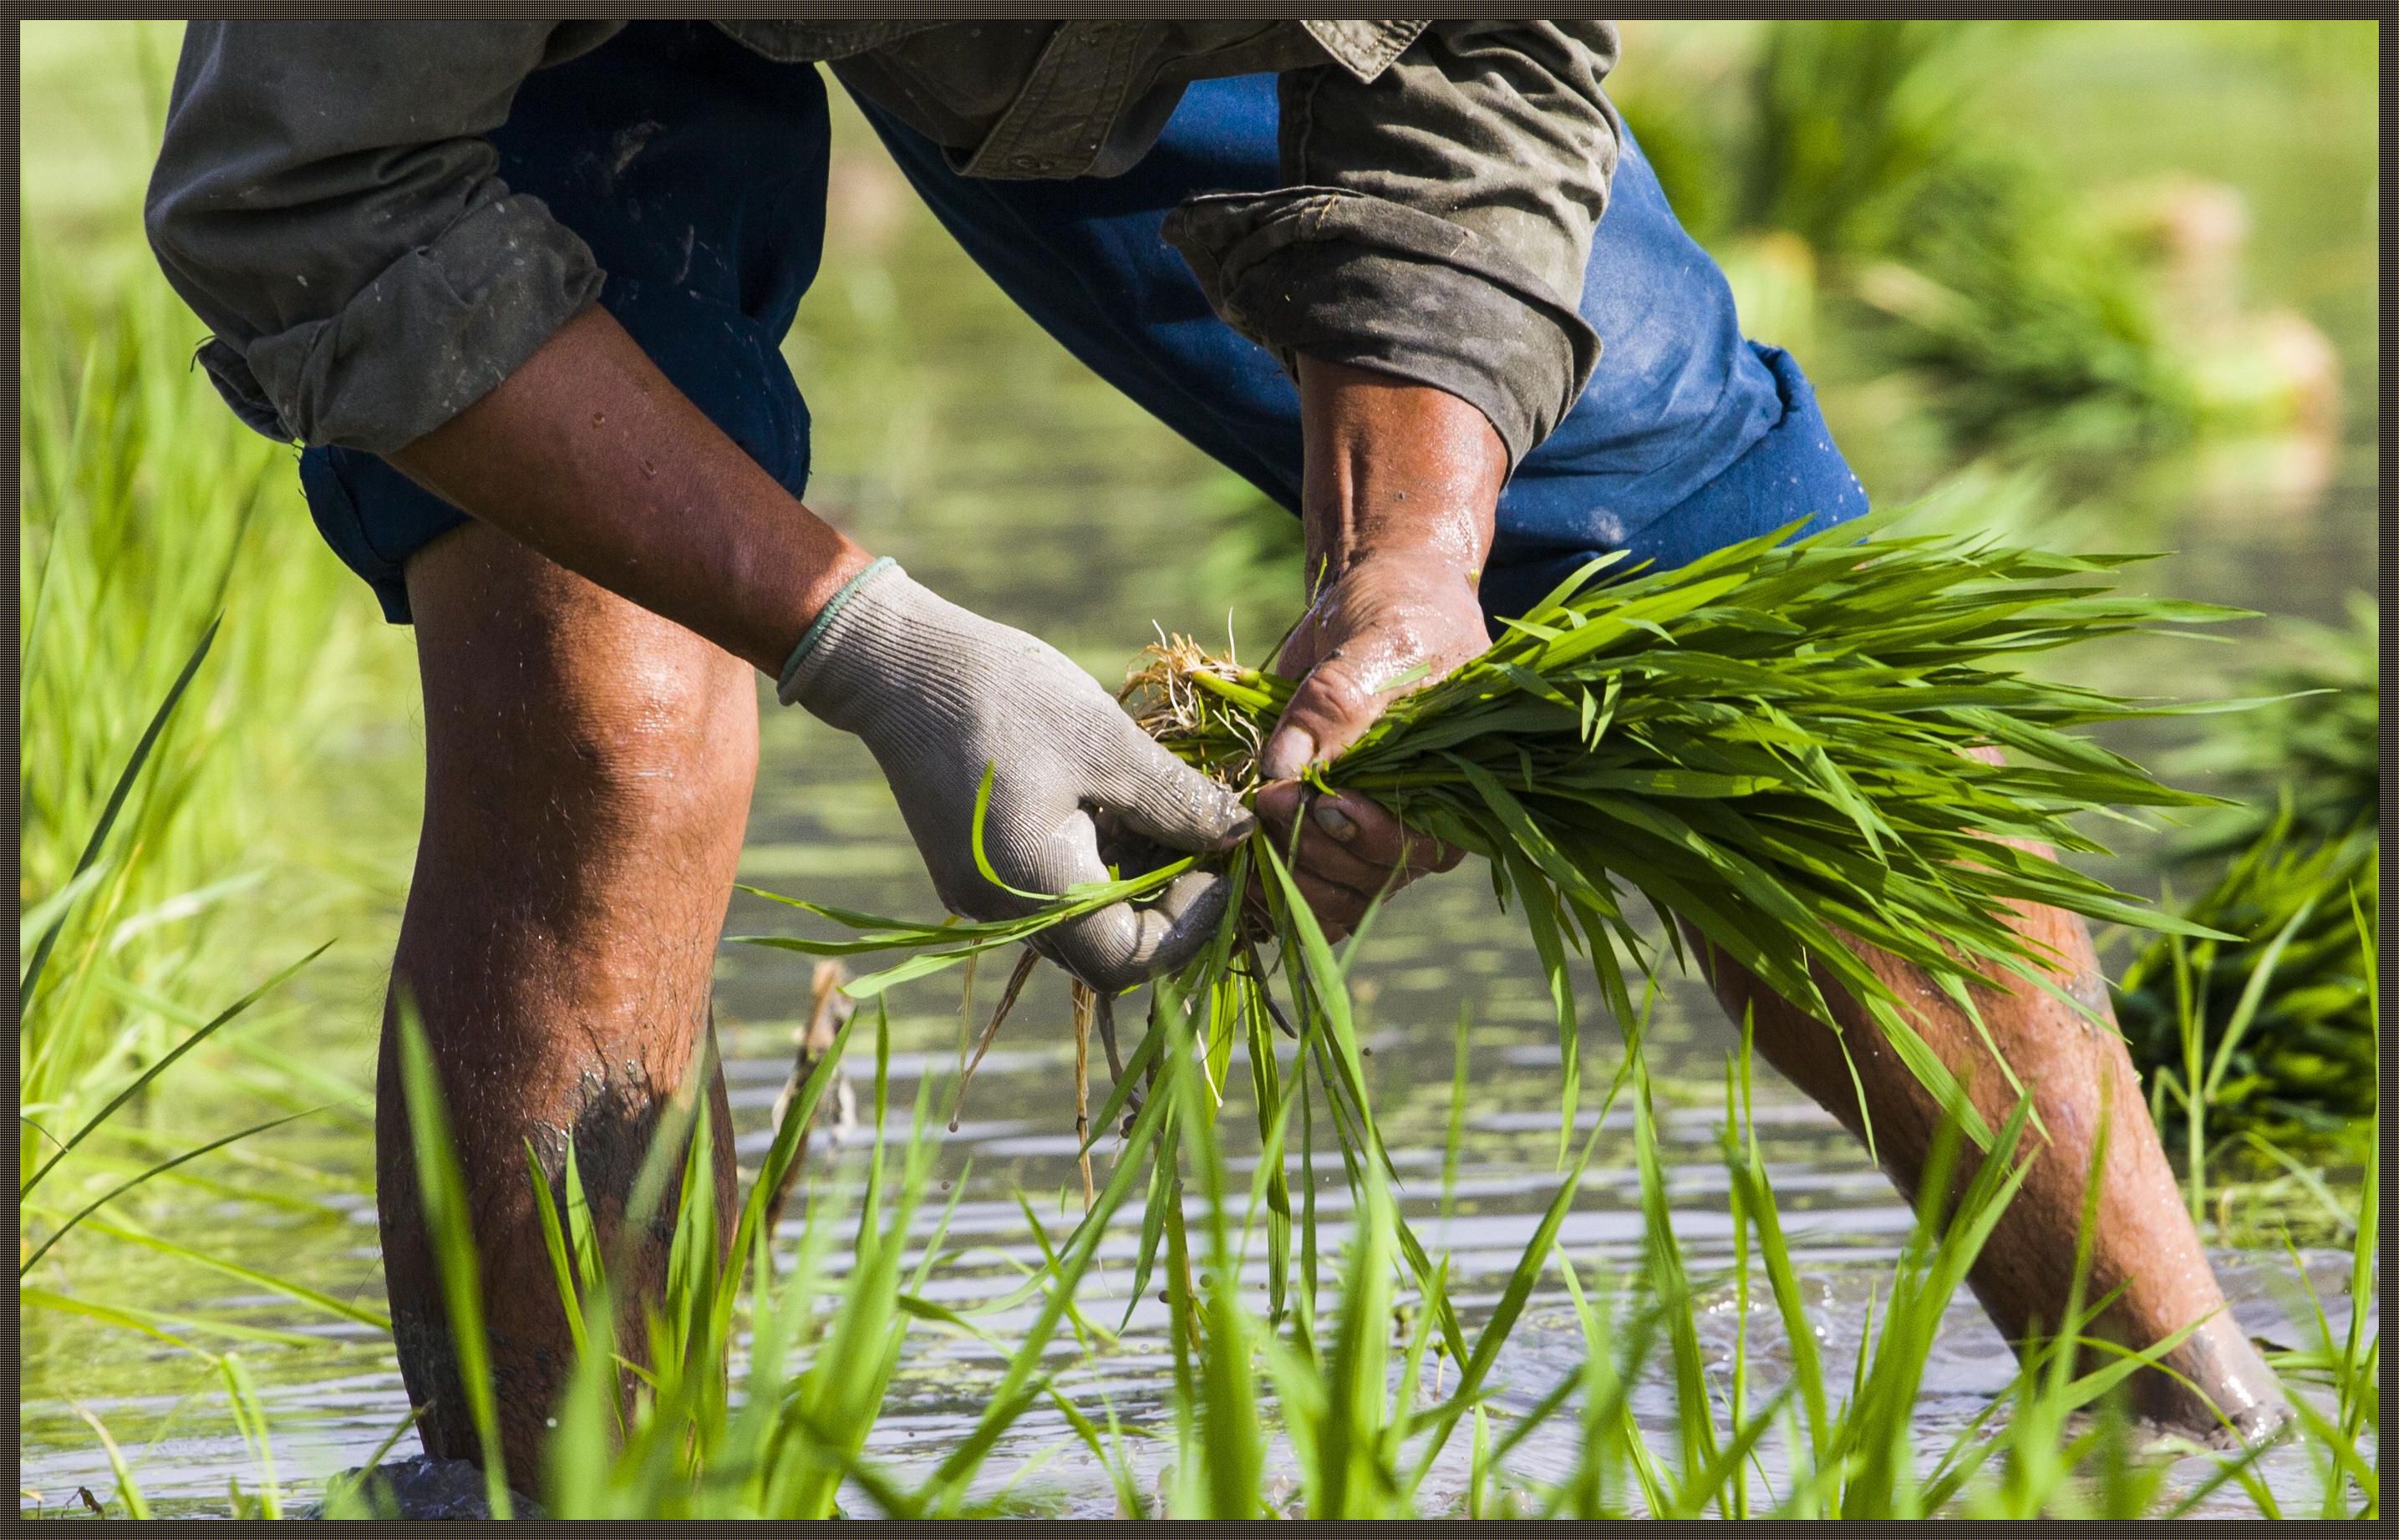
pixel 751 1388
pixel 1348 1406
pixel 89 1159
pixel 746 1391
pixel 185 662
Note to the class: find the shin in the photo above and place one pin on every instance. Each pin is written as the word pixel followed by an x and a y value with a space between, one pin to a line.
pixel 2144 1245
pixel 587 775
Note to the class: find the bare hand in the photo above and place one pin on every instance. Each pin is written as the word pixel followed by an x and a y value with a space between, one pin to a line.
pixel 1384 620
pixel 1399 499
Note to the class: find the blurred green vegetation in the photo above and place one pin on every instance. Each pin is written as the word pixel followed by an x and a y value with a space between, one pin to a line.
pixel 1926 206
pixel 170 859
pixel 2316 746
pixel 2275 1029
pixel 146 513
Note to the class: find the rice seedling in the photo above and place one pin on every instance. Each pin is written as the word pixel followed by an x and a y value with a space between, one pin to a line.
pixel 2258 1049
pixel 2261 1043
pixel 751 1387
pixel 1362 1427
pixel 650 1424
pixel 2345 1445
pixel 2056 1442
pixel 116 1160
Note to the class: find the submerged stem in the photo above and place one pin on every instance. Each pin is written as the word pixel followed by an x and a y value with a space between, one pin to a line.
pixel 1023 971
pixel 1086 1002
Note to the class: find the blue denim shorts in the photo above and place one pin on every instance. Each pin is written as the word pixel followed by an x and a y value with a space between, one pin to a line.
pixel 659 150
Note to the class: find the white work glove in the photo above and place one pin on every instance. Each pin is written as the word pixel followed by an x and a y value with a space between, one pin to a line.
pixel 938 693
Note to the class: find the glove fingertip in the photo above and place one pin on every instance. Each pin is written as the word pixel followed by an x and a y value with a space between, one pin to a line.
pixel 1238 823
pixel 1123 946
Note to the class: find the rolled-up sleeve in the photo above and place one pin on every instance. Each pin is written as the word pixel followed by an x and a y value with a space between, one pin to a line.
pixel 326 202
pixel 1436 220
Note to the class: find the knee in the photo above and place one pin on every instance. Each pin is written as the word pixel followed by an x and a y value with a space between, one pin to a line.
pixel 633 747
pixel 551 704
pixel 668 750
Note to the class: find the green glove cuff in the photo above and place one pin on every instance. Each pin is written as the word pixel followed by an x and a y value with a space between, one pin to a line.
pixel 824 621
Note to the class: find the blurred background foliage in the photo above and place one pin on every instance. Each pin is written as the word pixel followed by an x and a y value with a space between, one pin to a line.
pixel 1921 197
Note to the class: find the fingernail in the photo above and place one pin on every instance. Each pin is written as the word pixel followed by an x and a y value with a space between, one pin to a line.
pixel 1287 753
pixel 1334 821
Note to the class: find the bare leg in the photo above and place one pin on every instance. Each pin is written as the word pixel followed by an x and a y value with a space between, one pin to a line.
pixel 2144 1240
pixel 587 777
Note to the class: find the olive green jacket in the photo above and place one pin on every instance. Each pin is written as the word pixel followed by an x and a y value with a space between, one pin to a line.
pixel 325 199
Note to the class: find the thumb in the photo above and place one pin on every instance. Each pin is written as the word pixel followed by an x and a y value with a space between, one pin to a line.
pixel 1331 709
pixel 1153 794
pixel 1115 948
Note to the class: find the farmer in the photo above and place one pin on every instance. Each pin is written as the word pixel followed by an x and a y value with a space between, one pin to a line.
pixel 519 286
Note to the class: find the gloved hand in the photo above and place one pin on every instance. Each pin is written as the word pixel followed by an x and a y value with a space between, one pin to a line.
pixel 938 693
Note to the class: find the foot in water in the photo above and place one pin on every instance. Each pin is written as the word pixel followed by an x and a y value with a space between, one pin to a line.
pixel 424 1487
pixel 2230 1400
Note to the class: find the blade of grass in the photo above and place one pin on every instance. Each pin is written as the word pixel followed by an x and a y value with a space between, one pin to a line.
pixel 166 1061
pixel 28 984
pixel 443 1187
pixel 128 1490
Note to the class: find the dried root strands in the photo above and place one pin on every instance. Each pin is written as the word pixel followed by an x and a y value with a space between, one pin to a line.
pixel 1015 987
pixel 1086 1005
pixel 829 1010
pixel 1212 710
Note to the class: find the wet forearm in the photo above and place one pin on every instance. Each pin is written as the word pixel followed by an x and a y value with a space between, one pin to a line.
pixel 1395 470
pixel 588 455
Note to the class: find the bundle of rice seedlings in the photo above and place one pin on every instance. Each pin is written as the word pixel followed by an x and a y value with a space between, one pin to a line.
pixel 1775 745
pixel 2264 1040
